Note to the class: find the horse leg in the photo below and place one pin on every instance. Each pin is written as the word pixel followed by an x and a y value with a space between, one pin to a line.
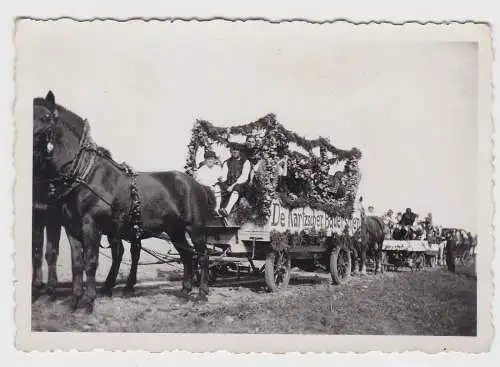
pixel 91 241
pixel 181 245
pixel 135 253
pixel 117 251
pixel 76 244
pixel 362 264
pixel 379 268
pixel 37 253
pixel 198 238
pixel 51 255
pixel 355 262
pixel 380 257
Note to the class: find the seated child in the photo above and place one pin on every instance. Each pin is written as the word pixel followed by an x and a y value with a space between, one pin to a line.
pixel 209 174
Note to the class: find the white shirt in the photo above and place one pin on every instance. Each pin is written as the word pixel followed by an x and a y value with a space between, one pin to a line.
pixel 208 176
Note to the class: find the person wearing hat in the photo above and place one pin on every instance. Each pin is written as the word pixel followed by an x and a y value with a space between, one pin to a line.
pixel 208 174
pixel 407 220
pixel 252 154
pixel 235 175
pixel 389 222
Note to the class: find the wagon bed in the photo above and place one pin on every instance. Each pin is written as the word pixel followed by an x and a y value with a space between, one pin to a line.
pixel 414 254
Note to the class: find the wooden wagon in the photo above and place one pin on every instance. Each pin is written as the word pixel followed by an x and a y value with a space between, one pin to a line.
pixel 415 254
pixel 239 248
pixel 298 210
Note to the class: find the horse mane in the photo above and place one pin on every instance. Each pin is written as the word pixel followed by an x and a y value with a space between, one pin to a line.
pixel 105 152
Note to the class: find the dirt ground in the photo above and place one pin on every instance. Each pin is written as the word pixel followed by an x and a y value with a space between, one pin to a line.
pixel 428 302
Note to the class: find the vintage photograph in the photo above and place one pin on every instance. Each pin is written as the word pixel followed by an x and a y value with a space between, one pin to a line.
pixel 206 178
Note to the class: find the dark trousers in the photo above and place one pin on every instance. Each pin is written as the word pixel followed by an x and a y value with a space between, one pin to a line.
pixel 450 260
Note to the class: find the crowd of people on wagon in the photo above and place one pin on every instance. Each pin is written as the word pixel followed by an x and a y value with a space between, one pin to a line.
pixel 407 225
pixel 230 178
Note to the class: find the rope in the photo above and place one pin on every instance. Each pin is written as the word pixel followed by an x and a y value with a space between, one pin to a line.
pixel 157 262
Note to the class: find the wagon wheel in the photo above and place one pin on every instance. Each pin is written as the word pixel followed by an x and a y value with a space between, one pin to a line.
pixel 340 265
pixel 277 270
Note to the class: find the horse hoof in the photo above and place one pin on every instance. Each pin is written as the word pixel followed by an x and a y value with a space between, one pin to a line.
pixel 128 291
pixel 38 286
pixel 51 292
pixel 201 298
pixel 35 295
pixel 73 305
pixel 106 291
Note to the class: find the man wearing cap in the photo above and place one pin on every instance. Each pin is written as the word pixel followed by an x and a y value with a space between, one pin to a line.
pixel 389 223
pixel 407 220
pixel 235 174
pixel 252 154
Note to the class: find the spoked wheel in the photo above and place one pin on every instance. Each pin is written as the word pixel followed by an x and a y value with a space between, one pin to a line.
pixel 277 270
pixel 340 265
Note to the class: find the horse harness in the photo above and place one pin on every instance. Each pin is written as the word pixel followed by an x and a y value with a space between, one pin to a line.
pixel 81 167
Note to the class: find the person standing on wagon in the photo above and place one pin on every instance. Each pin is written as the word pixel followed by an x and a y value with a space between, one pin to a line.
pixel 235 174
pixel 208 174
pixel 252 154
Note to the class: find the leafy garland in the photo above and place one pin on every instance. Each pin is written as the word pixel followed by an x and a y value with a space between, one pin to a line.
pixel 308 182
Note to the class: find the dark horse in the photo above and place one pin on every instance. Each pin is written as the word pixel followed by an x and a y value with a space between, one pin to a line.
pixel 369 238
pixel 98 196
pixel 44 216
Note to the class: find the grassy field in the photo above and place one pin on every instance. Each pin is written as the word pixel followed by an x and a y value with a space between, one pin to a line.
pixel 429 302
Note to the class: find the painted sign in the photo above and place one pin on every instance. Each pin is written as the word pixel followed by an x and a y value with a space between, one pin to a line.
pixel 295 220
pixel 409 245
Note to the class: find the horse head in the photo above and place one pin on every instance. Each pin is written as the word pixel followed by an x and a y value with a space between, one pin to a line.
pixel 45 117
pixel 57 133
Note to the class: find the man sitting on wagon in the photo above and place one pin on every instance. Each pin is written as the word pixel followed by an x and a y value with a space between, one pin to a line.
pixel 407 221
pixel 234 178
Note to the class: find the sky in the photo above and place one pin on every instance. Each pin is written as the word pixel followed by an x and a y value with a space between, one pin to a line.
pixel 410 106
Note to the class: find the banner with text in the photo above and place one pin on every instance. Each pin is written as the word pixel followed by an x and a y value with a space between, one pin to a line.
pixel 295 220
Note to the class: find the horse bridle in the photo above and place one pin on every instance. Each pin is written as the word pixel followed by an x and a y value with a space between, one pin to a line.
pixel 79 167
pixel 47 135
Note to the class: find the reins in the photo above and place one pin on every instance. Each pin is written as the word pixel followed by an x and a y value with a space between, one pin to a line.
pixel 82 167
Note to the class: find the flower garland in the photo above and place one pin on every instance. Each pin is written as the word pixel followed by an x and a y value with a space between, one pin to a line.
pixel 304 238
pixel 308 182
